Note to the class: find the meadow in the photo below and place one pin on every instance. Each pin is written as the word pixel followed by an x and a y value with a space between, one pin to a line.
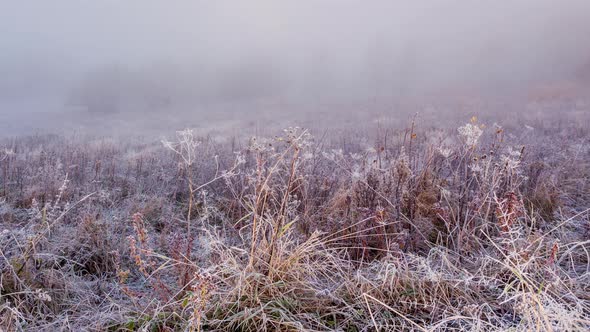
pixel 418 224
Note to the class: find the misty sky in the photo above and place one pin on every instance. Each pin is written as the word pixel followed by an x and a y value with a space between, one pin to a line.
pixel 308 46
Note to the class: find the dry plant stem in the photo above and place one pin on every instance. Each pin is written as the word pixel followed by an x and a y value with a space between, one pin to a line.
pixel 283 208
pixel 190 200
pixel 412 138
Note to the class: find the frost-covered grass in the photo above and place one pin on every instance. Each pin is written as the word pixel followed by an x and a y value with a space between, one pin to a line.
pixel 425 228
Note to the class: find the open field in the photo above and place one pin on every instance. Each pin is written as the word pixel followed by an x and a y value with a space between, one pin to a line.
pixel 401 225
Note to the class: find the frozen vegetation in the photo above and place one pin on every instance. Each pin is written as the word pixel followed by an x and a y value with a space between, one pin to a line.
pixel 471 226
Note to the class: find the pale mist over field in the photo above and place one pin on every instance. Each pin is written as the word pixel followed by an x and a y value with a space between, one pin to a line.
pixel 142 66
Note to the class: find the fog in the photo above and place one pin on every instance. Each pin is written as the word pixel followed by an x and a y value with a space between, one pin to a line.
pixel 71 58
